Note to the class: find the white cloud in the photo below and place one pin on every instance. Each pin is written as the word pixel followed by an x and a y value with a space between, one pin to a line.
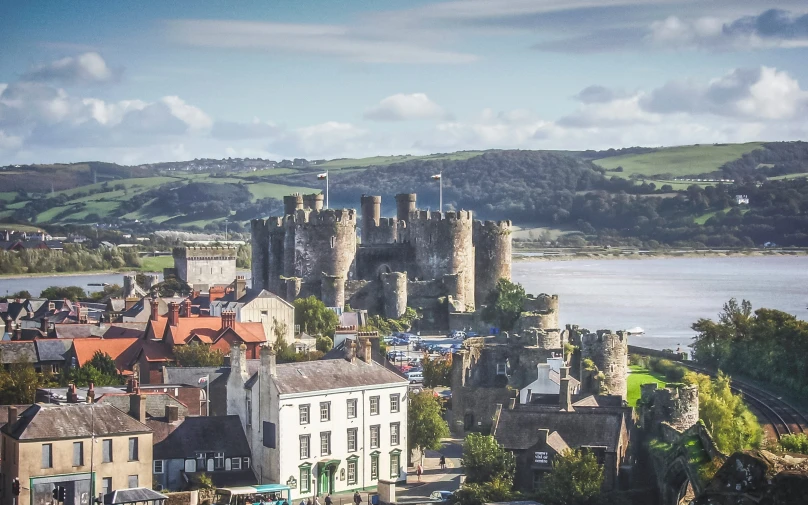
pixel 192 116
pixel 342 41
pixel 400 107
pixel 86 68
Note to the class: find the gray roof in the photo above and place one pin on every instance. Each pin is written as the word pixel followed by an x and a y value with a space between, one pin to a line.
pixel 132 495
pixel 52 350
pixel 202 433
pixel 106 330
pixel 253 294
pixel 517 429
pixel 16 352
pixel 323 375
pixel 72 420
pixel 190 375
pixel 156 402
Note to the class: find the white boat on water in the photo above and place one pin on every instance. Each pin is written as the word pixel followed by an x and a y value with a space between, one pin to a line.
pixel 635 331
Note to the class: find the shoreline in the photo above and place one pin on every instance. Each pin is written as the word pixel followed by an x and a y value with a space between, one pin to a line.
pixel 575 255
pixel 69 274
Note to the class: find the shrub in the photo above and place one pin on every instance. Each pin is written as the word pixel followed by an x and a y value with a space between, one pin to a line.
pixel 795 443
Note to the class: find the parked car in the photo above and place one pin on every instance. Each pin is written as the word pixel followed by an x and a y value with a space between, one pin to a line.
pixel 457 334
pixel 470 334
pixel 415 377
pixel 441 495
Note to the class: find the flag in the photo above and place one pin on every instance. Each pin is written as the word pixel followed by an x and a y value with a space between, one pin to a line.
pixel 322 176
pixel 436 176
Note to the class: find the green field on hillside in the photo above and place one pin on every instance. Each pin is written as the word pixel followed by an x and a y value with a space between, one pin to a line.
pixel 269 190
pixel 787 176
pixel 156 263
pixel 389 160
pixel 677 161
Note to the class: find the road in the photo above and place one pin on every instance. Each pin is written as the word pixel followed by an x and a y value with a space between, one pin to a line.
pixel 435 479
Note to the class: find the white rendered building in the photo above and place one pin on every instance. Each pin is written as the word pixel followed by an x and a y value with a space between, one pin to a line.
pixel 326 426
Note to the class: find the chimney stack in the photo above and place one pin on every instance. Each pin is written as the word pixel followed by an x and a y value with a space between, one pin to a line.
pixel 186 307
pixel 72 395
pixel 564 394
pixel 268 360
pixel 91 393
pixel 12 417
pixel 543 434
pixel 367 350
pixel 511 403
pixel 241 287
pixel 155 309
pixel 350 351
pixel 137 405
pixel 18 333
pixel 172 413
pixel 228 319
pixel 43 324
pixel 173 314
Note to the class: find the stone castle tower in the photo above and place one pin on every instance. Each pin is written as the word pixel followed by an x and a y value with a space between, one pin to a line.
pixel 675 404
pixel 609 352
pixel 311 250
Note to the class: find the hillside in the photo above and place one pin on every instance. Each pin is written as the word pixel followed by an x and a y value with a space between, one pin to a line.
pixel 609 195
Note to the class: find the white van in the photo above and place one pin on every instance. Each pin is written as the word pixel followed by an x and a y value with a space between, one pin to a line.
pixel 415 377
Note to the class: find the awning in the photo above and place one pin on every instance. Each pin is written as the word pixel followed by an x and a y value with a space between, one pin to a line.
pixel 328 462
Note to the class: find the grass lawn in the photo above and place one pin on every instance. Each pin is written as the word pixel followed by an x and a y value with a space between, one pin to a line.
pixel 270 190
pixel 677 161
pixel 156 263
pixel 49 214
pixel 8 196
pixel 637 376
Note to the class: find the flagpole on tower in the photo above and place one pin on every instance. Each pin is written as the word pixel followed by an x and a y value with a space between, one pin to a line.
pixel 326 189
pixel 440 179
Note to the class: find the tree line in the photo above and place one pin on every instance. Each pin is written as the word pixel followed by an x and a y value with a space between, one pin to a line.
pixel 74 258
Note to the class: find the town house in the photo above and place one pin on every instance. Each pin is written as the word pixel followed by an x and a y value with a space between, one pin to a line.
pixel 327 426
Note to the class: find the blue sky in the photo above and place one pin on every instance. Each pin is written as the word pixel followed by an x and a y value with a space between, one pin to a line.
pixel 133 82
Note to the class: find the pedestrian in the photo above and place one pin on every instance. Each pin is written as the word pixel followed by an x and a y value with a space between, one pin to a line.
pixel 316 500
pixel 302 501
pixel 419 471
pixel 328 500
pixel 442 462
pixel 308 501
pixel 356 498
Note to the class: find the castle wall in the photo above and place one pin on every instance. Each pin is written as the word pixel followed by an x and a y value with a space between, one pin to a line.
pixel 276 256
pixel 293 286
pixel 442 243
pixel 365 295
pixel 324 242
pixel 405 203
pixel 292 203
pixel 383 231
pixel 371 209
pixel 677 405
pixel 395 294
pixel 205 265
pixel 313 201
pixel 492 256
pixel 527 320
pixel 373 260
pixel 609 352
pixel 259 243
pixel 544 339
pixel 332 290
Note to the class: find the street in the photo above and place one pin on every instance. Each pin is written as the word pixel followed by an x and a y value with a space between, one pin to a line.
pixel 435 479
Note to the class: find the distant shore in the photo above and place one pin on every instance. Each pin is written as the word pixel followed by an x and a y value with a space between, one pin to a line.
pixel 67 274
pixel 636 254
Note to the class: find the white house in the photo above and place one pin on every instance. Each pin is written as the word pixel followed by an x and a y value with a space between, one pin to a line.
pixel 260 307
pixel 326 426
pixel 742 199
pixel 548 381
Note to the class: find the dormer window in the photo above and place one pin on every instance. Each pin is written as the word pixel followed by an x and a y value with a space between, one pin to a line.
pixel 502 369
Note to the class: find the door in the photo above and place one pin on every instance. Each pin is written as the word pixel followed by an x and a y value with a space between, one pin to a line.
pixel 325 481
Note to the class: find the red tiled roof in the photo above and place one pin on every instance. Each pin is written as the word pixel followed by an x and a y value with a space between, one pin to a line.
pixel 122 350
pixel 209 330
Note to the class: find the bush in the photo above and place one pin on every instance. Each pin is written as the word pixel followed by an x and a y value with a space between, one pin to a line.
pixel 795 443
pixel 673 372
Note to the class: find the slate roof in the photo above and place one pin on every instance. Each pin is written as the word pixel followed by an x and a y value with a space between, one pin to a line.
pixel 16 352
pixel 190 375
pixel 321 375
pixel 338 352
pixel 52 349
pixel 4 412
pixel 195 434
pixel 517 429
pixel 155 402
pixel 72 420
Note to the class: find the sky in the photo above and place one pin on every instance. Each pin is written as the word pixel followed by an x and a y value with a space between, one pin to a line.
pixel 147 81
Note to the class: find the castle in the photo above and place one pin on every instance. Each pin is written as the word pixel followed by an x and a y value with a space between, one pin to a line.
pixel 439 262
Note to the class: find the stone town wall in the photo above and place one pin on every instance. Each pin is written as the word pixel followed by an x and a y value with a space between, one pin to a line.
pixel 395 294
pixel 323 242
pixel 492 256
pixel 676 404
pixel 376 259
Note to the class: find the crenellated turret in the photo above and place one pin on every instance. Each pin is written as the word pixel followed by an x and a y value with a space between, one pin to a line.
pixel 492 256
pixel 609 352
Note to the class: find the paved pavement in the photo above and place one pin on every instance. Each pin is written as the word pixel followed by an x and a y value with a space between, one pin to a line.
pixel 435 479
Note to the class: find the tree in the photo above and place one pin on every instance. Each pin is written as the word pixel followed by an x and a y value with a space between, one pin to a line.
pixel 576 479
pixel 484 460
pixel 425 424
pixel 104 363
pixel 19 383
pixel 196 354
pixel 437 371
pixel 324 344
pixel 72 293
pixel 504 305
pixel 726 417
pixel 314 317
pixel 23 295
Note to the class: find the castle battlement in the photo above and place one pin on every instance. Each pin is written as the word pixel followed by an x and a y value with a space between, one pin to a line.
pixel 429 215
pixel 495 226
pixel 327 216
pixel 207 252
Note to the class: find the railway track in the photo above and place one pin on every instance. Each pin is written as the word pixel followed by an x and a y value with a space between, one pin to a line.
pixel 779 414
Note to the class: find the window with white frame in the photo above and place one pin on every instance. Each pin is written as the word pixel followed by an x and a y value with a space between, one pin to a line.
pixel 325 411
pixel 305 444
pixel 374 405
pixel 394 403
pixel 351 408
pixel 351 472
pixel 374 466
pixel 502 369
pixel 394 427
pixel 47 455
pixel 395 464
pixel 374 436
pixel 158 466
pixel 235 464
pixel 305 479
pixel 304 414
pixel 325 443
pixel 352 432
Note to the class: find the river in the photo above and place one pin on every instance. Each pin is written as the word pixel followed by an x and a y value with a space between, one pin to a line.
pixel 662 296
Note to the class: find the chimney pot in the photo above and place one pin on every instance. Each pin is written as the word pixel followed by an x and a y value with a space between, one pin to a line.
pixel 91 393
pixel 350 351
pixel 137 406
pixel 186 307
pixel 173 314
pixel 72 395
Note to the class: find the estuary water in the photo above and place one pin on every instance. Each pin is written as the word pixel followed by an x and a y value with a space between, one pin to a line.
pixel 665 296
pixel 662 296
